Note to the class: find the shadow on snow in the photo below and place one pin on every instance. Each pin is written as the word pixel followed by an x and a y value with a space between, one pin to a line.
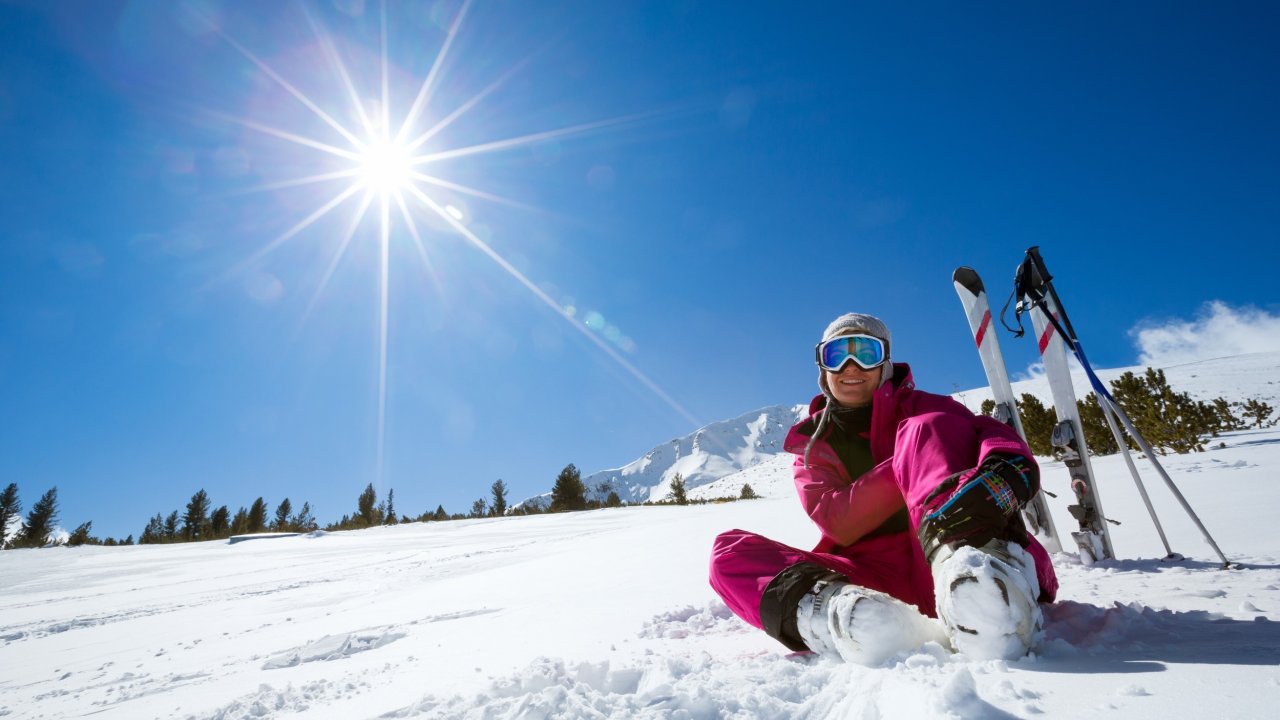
pixel 1131 638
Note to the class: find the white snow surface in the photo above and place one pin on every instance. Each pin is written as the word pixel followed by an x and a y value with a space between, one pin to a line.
pixel 608 614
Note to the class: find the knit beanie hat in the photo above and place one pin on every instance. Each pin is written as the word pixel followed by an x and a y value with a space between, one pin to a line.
pixel 850 324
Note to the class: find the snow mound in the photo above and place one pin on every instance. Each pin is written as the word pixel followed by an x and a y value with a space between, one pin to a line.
pixel 712 619
pixel 700 685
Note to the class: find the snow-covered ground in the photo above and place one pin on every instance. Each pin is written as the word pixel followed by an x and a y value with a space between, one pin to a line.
pixel 608 614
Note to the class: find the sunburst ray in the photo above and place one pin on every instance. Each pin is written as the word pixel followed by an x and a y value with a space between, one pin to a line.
pixel 417 239
pixel 542 296
pixel 330 52
pixel 295 92
pixel 299 182
pixel 424 93
pixel 473 192
pixel 521 140
pixel 284 237
pixel 291 137
pixel 465 107
pixel 347 236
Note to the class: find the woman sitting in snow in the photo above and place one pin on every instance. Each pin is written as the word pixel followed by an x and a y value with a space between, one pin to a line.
pixel 918 503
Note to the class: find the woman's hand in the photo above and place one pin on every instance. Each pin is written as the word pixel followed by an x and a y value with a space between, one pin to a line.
pixel 979 505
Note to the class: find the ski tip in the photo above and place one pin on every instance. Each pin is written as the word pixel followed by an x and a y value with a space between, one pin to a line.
pixel 967 278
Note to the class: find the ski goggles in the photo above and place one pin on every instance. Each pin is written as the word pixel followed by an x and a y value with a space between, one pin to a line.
pixel 867 351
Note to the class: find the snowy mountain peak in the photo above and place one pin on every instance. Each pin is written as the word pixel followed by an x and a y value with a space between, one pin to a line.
pixel 702 457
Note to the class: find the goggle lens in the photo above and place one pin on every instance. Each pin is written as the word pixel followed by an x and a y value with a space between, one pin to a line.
pixel 865 350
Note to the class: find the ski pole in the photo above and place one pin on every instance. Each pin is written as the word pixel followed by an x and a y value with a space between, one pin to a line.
pixel 1045 281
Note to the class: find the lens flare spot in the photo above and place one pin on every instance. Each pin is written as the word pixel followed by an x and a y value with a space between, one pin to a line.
pixel 264 288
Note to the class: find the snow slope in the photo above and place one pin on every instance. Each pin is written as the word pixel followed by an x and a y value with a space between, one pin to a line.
pixel 608 614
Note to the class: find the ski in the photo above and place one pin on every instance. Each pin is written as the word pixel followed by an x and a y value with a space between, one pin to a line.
pixel 1033 287
pixel 1093 538
pixel 973 296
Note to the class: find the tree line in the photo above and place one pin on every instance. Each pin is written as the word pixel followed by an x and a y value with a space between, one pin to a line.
pixel 1169 420
pixel 200 521
pixel 569 494
pixel 370 512
pixel 42 519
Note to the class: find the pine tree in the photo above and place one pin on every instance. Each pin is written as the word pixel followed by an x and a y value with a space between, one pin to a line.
pixel 613 500
pixel 257 516
pixel 389 515
pixel 240 523
pixel 988 407
pixel 1226 419
pixel 748 492
pixel 1037 422
pixel 479 508
pixel 1097 433
pixel 440 514
pixel 367 507
pixel 499 492
pixel 568 492
pixel 304 521
pixel 1167 419
pixel 220 522
pixel 80 536
pixel 40 522
pixel 1254 409
pixel 283 510
pixel 153 532
pixel 10 510
pixel 677 494
pixel 195 522
pixel 171 527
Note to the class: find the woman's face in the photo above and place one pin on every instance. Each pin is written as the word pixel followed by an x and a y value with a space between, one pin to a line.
pixel 853 386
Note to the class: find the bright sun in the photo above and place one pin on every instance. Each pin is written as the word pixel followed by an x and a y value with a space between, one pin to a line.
pixel 385 167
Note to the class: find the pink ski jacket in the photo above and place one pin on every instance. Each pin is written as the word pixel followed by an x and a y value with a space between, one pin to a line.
pixel 845 509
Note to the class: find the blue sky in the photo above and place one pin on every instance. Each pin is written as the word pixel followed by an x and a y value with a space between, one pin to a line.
pixel 762 170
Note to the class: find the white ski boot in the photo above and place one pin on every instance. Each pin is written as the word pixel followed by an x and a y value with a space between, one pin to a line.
pixel 987 600
pixel 862 626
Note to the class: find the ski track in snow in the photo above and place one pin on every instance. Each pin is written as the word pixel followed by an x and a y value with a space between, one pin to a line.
pixel 607 614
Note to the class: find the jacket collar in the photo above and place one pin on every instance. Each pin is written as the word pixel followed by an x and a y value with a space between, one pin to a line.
pixel 884 403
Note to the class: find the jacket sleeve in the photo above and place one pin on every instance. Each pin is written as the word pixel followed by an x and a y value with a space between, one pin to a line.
pixel 996 437
pixel 844 511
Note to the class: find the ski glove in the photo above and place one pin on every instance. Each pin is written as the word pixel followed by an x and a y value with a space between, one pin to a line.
pixel 979 505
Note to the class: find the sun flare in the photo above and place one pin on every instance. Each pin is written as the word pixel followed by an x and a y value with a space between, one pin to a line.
pixel 390 167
